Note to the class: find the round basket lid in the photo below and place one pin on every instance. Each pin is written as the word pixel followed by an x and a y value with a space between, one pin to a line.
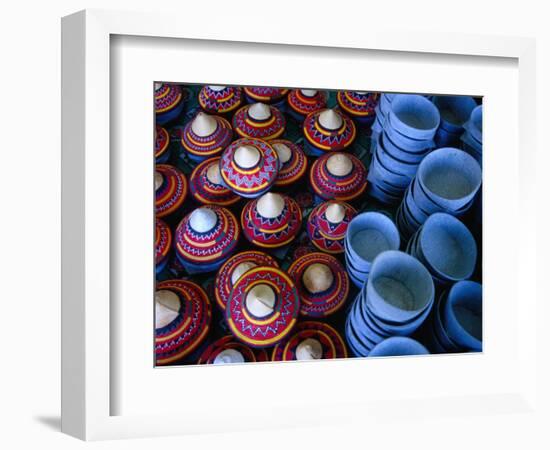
pixel 205 184
pixel 327 225
pixel 293 162
pixel 329 130
pixel 206 135
pixel 207 235
pixel 322 282
pixel 259 121
pixel 228 350
pixel 163 240
pixel 271 232
pixel 167 97
pixel 265 94
pixel 170 189
pixel 306 101
pixel 249 167
pixel 263 307
pixel 339 176
pixel 358 104
pixel 162 141
pixel 234 268
pixel 220 99
pixel 311 340
pixel 182 315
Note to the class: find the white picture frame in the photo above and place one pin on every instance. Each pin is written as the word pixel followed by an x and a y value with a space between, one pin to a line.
pixel 109 387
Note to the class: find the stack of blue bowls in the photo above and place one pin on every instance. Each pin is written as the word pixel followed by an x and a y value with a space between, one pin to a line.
pixel 455 111
pixel 446 247
pixel 456 321
pixel 395 301
pixel 404 139
pixel 447 180
pixel 368 235
pixel 398 346
pixel 473 134
pixel 382 110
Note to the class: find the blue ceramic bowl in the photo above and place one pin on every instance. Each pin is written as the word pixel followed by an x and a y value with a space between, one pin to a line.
pixel 412 145
pixel 448 345
pixel 445 138
pixel 414 116
pixel 401 153
pixel 398 346
pixel 463 315
pixel 448 247
pixel 399 287
pixel 364 330
pixel 361 346
pixel 381 172
pixel 475 124
pixel 369 234
pixel 394 164
pixel 450 177
pixel 454 111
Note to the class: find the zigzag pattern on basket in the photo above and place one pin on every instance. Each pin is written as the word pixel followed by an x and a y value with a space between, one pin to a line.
pixel 286 309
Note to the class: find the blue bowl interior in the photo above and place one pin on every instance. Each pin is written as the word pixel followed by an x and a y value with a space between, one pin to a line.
pixel 449 174
pixel 399 282
pixel 454 110
pixel 448 246
pixel 414 115
pixel 371 233
pixel 465 301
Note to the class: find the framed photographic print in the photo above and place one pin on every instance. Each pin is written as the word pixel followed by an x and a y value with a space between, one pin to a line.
pixel 274 230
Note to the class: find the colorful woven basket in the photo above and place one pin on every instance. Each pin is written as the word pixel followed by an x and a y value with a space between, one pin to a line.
pixel 241 261
pixel 322 282
pixel 220 99
pixel 170 189
pixel 266 123
pixel 271 95
pixel 293 162
pixel 200 146
pixel 271 232
pixel 326 234
pixel 302 102
pixel 207 249
pixel 205 184
pixel 163 244
pixel 162 145
pixel 258 176
pixel 169 102
pixel 359 105
pixel 228 350
pixel 338 176
pixel 192 315
pixel 324 337
pixel 321 138
pixel 263 307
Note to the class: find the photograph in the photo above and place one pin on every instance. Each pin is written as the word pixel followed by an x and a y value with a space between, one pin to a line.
pixel 301 224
